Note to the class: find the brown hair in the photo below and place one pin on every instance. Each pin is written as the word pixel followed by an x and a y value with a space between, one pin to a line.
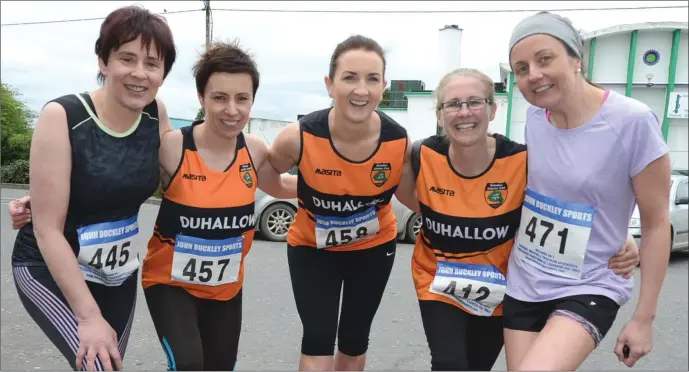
pixel 224 57
pixel 126 24
pixel 353 43
pixel 488 87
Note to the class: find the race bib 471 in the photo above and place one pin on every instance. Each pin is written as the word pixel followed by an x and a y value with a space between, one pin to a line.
pixel 553 234
pixel 478 288
pixel 205 261
pixel 334 231
pixel 106 255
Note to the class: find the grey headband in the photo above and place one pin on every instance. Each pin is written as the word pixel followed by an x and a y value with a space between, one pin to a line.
pixel 548 24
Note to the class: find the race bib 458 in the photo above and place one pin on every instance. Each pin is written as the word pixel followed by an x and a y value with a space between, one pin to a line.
pixel 205 261
pixel 478 288
pixel 553 234
pixel 334 231
pixel 106 255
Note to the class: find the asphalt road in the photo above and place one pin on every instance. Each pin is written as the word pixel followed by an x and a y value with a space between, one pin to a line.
pixel 271 331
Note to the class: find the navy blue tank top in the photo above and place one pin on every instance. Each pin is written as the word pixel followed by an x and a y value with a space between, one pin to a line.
pixel 112 173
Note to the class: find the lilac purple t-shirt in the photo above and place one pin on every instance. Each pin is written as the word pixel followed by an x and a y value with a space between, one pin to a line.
pixel 579 201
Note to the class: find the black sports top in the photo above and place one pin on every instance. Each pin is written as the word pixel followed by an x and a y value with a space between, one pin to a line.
pixel 112 174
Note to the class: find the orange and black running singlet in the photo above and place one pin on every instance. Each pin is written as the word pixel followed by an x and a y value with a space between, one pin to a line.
pixel 345 205
pixel 469 224
pixel 205 225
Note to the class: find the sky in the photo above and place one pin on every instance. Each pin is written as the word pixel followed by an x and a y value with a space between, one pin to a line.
pixel 292 50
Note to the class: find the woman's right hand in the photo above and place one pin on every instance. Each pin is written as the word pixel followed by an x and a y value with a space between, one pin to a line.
pixel 20 212
pixel 97 339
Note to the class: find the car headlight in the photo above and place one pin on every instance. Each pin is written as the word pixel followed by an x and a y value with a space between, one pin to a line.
pixel 634 222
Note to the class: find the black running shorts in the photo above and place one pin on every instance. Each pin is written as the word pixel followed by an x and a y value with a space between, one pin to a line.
pixel 594 313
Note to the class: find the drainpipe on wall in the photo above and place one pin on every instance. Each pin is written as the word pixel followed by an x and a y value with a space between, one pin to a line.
pixel 630 63
pixel 676 35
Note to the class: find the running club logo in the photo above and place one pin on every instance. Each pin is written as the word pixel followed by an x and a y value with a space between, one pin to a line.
pixel 245 175
pixel 496 194
pixel 380 173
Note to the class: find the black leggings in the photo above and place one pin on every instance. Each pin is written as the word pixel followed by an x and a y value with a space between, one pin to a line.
pixel 43 300
pixel 317 279
pixel 196 334
pixel 460 341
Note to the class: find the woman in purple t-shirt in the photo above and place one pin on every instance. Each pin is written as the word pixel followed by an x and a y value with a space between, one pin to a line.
pixel 592 154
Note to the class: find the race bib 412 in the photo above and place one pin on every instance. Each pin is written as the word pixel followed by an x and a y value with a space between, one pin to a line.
pixel 106 255
pixel 205 261
pixel 478 288
pixel 334 231
pixel 553 234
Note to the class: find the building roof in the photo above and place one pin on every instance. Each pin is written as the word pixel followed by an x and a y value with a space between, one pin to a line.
pixel 636 26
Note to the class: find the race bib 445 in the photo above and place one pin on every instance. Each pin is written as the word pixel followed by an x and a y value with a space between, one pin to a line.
pixel 553 234
pixel 205 261
pixel 334 231
pixel 478 288
pixel 106 255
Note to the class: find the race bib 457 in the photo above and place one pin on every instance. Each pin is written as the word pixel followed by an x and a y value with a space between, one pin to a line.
pixel 106 255
pixel 205 261
pixel 334 231
pixel 553 234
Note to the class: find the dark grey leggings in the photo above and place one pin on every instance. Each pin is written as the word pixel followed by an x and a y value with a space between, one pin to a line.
pixel 46 305
pixel 196 334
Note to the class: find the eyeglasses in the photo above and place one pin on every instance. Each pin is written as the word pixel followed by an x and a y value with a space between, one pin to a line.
pixel 473 104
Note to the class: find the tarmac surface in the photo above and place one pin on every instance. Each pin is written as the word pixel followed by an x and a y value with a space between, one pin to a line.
pixel 271 331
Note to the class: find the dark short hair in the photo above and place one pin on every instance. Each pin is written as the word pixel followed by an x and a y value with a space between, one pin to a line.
pixel 224 57
pixel 353 43
pixel 126 24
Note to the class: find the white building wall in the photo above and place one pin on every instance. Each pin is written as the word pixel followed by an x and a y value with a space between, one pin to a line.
pixel 499 124
pixel 610 58
pixel 421 121
pixel 660 41
pixel 654 97
pixel 265 128
pixel 678 137
pixel 519 107
pixel 682 75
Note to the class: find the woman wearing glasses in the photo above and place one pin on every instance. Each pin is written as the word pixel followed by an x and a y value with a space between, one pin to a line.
pixel 470 187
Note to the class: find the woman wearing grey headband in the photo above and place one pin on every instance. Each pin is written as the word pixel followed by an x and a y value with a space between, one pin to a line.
pixel 561 297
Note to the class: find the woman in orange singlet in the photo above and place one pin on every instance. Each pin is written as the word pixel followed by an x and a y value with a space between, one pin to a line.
pixel 350 159
pixel 194 270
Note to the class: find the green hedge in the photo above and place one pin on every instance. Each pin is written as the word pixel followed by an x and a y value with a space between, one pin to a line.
pixel 15 172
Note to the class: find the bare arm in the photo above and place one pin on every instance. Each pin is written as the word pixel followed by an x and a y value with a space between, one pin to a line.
pixel 269 179
pixel 283 154
pixel 164 128
pixel 652 188
pixel 164 124
pixel 50 173
pixel 406 191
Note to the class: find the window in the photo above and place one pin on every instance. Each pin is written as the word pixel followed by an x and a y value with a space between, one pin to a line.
pixel 682 191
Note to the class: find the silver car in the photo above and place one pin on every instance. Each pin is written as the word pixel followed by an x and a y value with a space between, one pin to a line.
pixel 679 217
pixel 408 222
pixel 274 216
